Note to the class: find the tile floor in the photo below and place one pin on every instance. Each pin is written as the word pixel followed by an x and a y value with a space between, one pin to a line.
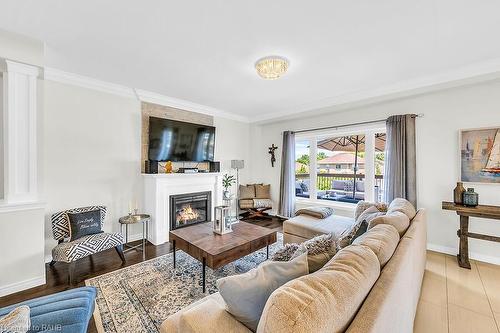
pixel 458 300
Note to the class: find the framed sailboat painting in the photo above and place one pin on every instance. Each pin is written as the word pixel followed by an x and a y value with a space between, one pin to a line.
pixel 480 155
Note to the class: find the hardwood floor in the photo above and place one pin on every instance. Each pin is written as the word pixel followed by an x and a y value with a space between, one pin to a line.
pixel 98 264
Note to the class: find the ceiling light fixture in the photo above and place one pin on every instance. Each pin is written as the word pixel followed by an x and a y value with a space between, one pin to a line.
pixel 271 67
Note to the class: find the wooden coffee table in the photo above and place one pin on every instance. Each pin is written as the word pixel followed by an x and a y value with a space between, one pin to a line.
pixel 215 251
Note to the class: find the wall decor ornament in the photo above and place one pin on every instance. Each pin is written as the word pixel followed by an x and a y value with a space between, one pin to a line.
pixel 272 150
pixel 480 155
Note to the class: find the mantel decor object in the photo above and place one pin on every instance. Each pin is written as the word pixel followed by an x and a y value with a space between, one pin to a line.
pixel 458 193
pixel 470 198
pixel 222 220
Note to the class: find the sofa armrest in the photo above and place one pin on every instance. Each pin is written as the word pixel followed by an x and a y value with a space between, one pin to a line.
pixel 206 315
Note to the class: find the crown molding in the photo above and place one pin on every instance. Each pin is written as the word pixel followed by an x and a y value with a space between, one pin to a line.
pixel 60 76
pixel 155 98
pixel 472 74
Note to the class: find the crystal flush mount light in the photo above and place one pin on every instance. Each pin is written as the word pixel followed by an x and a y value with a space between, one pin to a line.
pixel 272 67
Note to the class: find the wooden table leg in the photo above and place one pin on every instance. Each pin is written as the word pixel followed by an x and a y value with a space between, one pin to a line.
pixel 463 251
pixel 267 251
pixel 203 273
pixel 173 250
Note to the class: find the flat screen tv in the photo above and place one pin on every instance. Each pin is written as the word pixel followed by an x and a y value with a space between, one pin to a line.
pixel 176 141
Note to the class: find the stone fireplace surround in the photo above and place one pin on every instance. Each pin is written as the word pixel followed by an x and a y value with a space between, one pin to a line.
pixel 159 187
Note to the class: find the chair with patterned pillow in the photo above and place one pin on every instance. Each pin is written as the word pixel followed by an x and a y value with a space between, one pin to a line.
pixel 70 250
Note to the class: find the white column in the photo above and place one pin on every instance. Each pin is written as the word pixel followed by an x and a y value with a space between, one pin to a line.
pixel 369 166
pixel 20 132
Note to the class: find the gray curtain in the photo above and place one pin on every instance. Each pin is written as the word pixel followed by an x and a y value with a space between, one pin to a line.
pixel 287 179
pixel 400 159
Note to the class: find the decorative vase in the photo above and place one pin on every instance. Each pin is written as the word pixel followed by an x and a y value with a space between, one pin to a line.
pixel 470 198
pixel 226 195
pixel 458 193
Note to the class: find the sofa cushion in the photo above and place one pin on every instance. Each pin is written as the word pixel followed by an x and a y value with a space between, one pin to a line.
pixel 246 203
pixel 262 191
pixel 85 246
pixel 247 191
pixel 209 316
pixel 397 219
pixel 325 301
pixel 246 294
pixel 403 206
pixel 308 227
pixel 338 184
pixel 382 239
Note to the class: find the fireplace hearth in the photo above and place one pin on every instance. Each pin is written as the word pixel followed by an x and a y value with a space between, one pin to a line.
pixel 190 208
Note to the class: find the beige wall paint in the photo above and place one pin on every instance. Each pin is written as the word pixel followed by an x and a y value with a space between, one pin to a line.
pixel 445 113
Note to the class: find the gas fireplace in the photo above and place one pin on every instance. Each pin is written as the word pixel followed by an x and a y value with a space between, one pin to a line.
pixel 188 209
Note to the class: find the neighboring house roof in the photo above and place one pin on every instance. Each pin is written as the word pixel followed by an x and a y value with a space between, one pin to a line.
pixel 341 158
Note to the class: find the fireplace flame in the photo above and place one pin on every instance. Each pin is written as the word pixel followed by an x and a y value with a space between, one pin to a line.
pixel 187 213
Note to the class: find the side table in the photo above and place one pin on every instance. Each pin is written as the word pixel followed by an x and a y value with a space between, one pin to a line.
pixel 464 212
pixel 133 219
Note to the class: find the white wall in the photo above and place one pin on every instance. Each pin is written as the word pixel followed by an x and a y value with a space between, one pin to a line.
pixel 22 257
pixel 438 154
pixel 1 139
pixel 92 152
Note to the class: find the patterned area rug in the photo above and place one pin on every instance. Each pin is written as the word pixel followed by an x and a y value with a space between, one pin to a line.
pixel 140 297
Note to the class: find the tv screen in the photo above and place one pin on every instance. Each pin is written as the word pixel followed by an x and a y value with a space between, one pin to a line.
pixel 171 140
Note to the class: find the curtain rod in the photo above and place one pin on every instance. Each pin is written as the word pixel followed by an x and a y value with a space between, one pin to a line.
pixel 352 124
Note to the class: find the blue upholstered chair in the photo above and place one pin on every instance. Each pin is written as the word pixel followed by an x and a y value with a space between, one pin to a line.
pixel 70 251
pixel 65 312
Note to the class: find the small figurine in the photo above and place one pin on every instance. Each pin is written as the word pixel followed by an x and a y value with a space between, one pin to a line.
pixel 168 167
pixel 271 151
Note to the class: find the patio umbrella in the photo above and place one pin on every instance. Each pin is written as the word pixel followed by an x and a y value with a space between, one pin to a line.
pixel 352 143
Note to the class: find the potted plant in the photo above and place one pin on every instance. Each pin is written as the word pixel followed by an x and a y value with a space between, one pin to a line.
pixel 227 182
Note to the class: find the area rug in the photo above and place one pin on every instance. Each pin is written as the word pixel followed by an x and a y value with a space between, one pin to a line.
pixel 140 297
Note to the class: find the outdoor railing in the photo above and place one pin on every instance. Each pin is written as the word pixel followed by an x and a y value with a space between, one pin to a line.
pixel 324 180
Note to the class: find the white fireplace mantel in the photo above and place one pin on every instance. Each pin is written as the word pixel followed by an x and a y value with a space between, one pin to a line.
pixel 159 187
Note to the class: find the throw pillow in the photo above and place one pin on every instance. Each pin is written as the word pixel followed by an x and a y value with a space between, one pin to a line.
pixel 304 187
pixel 84 223
pixel 403 206
pixel 349 186
pixel 285 253
pixel 364 205
pixel 319 249
pixel 262 191
pixel 247 191
pixel 246 294
pixel 347 237
pixel 17 321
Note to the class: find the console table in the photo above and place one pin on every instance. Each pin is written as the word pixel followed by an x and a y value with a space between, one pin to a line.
pixel 464 212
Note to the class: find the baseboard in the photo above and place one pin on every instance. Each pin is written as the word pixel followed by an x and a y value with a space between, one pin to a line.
pixel 472 255
pixel 23 285
pixel 131 238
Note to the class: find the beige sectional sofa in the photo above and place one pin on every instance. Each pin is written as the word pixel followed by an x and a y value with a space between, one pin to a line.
pixel 372 286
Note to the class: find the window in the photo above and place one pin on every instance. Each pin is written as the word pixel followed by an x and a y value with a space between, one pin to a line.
pixel 347 167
